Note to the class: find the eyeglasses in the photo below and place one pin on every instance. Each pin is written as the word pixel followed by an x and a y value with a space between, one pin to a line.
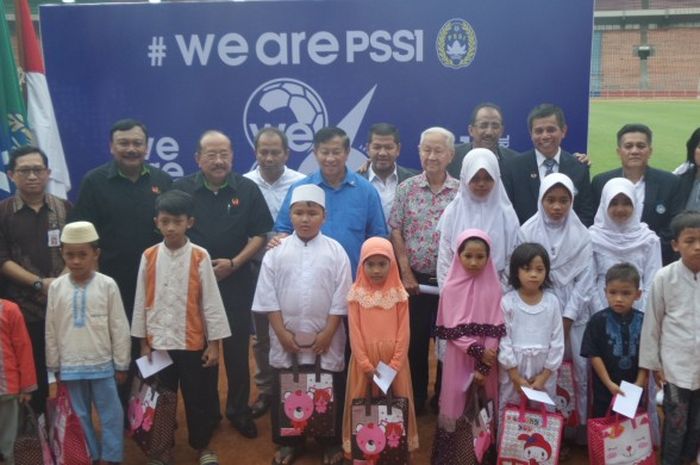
pixel 25 172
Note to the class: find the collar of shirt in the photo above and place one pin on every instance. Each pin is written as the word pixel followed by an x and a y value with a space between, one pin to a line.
pixel 349 180
pixel 176 253
pixel 541 158
pixel 450 182
pixel 114 171
pixel 312 241
pixel 259 179
pixel 371 175
pixel 686 272
pixel 639 184
pixel 201 182
pixel 20 204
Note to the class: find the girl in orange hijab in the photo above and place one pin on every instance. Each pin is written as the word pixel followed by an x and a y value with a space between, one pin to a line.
pixel 379 331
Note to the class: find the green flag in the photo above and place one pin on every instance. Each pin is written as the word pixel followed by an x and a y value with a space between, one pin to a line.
pixel 13 115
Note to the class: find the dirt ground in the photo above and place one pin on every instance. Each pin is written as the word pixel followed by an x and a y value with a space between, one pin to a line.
pixel 234 449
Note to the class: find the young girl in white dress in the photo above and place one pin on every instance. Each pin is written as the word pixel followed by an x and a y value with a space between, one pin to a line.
pixel 533 348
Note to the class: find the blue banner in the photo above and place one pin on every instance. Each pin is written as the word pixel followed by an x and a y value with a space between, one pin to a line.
pixel 183 68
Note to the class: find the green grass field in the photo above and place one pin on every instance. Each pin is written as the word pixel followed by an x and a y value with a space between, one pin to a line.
pixel 671 120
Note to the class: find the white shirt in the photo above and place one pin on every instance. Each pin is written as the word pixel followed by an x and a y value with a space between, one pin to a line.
pixel 671 329
pixel 87 332
pixel 274 193
pixel 385 187
pixel 167 321
pixel 639 189
pixel 541 159
pixel 307 282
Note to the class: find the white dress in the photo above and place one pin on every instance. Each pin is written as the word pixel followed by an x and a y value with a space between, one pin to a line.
pixel 534 341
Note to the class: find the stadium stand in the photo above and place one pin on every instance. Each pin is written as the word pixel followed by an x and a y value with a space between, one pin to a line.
pixel 646 48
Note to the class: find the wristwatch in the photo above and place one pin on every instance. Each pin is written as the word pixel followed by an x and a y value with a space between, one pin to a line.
pixel 38 285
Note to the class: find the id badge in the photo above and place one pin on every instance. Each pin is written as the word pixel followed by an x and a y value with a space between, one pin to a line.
pixel 54 238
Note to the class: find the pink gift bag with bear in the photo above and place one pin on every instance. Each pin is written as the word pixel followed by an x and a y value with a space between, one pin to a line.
pixel 308 406
pixel 379 427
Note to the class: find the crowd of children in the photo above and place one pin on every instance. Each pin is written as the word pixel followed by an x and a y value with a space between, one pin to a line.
pixel 509 315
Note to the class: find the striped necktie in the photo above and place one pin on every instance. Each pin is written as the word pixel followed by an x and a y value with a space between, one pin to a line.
pixel 549 165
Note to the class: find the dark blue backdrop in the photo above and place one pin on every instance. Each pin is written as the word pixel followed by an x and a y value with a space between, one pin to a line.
pixel 236 66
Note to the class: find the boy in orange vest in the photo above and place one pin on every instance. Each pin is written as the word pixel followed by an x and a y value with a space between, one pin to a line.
pixel 178 308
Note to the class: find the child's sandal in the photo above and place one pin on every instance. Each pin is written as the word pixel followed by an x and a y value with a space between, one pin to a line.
pixel 208 458
pixel 286 455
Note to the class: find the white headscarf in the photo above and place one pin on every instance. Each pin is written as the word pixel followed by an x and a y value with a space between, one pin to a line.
pixel 632 242
pixel 619 238
pixel 567 241
pixel 493 214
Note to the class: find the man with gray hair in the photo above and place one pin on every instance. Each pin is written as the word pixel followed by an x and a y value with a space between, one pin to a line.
pixel 417 207
pixel 231 221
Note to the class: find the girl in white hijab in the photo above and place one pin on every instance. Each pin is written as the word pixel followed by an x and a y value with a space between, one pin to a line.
pixel 557 227
pixel 481 203
pixel 618 236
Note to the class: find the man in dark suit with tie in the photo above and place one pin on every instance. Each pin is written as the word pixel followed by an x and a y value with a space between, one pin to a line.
pixel 657 191
pixel 521 175
pixel 485 130
pixel 383 148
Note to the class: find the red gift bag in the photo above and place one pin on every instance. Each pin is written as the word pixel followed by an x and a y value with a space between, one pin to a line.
pixel 620 441
pixel 66 435
pixel 566 394
pixel 530 436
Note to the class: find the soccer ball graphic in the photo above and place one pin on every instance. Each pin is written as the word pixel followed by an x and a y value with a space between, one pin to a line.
pixel 290 105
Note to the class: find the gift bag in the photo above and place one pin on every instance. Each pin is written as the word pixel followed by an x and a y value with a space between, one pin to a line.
pixel 28 447
pixel 66 436
pixel 566 394
pixel 308 406
pixel 480 415
pixel 613 440
pixel 44 439
pixel 530 436
pixel 379 430
pixel 152 415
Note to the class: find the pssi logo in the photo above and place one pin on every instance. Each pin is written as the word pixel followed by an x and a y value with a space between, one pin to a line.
pixel 298 110
pixel 456 44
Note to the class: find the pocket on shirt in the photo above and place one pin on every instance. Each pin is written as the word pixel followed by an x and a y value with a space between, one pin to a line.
pixel 356 217
pixel 99 320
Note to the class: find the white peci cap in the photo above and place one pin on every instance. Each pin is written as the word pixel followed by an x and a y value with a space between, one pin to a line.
pixel 79 232
pixel 309 193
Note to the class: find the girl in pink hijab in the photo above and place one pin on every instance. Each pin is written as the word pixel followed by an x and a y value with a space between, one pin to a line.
pixel 471 320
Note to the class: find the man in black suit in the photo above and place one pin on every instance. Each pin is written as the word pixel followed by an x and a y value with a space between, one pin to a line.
pixel 657 191
pixel 383 148
pixel 521 175
pixel 485 130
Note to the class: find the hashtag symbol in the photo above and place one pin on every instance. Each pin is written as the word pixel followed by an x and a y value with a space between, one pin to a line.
pixel 156 51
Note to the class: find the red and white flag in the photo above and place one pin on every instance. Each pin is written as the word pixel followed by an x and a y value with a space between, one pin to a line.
pixel 40 114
